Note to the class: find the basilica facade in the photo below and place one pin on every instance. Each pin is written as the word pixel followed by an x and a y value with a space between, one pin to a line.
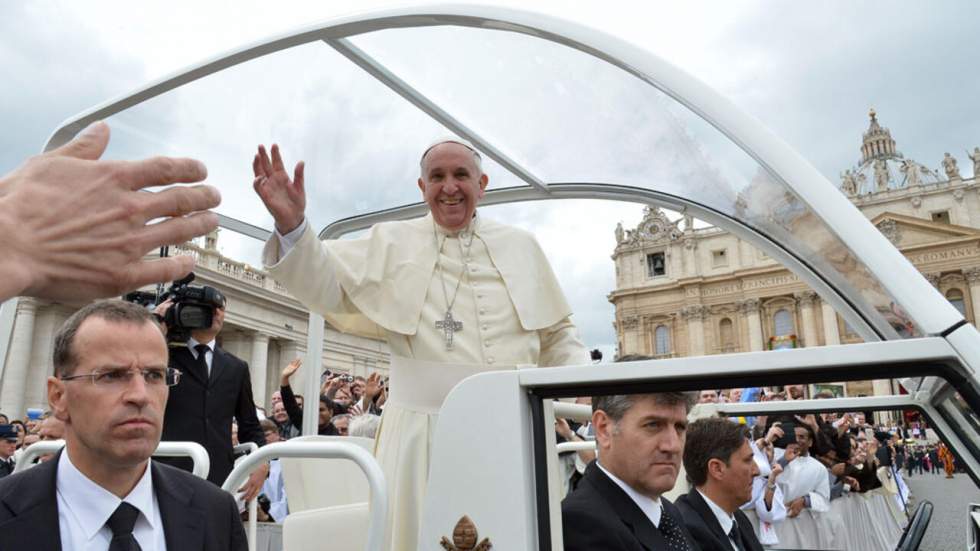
pixel 684 290
pixel 264 326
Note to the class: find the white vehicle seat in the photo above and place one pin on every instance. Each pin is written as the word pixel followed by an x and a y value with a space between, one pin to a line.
pixel 338 527
pixel 328 500
pixel 318 483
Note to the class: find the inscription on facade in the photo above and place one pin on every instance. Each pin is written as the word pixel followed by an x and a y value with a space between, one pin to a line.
pixel 772 281
pixel 721 290
pixel 950 254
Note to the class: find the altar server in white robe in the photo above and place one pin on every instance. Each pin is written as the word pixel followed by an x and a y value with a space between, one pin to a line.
pixel 767 503
pixel 453 293
pixel 806 491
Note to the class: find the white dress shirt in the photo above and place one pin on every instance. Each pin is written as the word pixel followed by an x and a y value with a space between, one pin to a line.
pixel 208 356
pixel 84 507
pixel 650 507
pixel 724 519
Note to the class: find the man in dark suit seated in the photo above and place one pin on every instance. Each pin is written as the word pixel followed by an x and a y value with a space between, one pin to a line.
pixel 720 465
pixel 102 491
pixel 216 388
pixel 617 504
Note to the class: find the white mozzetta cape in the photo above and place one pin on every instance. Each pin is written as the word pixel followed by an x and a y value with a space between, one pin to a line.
pixel 385 275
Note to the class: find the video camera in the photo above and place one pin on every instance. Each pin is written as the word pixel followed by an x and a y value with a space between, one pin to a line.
pixel 193 307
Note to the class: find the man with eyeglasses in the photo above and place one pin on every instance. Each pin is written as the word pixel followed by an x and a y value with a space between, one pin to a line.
pixel 102 491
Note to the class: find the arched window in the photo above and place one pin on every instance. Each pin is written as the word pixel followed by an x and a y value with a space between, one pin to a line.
pixel 661 339
pixel 726 335
pixel 783 322
pixel 955 297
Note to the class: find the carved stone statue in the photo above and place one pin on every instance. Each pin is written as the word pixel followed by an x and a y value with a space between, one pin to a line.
pixel 881 175
pixel 949 165
pixel 911 171
pixel 847 183
pixel 975 157
pixel 620 234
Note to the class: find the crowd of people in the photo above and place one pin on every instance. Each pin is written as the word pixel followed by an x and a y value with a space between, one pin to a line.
pixel 819 481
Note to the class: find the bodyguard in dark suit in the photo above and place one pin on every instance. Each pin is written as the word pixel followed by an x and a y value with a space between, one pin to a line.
pixel 195 513
pixel 617 504
pixel 102 491
pixel 214 389
pixel 719 462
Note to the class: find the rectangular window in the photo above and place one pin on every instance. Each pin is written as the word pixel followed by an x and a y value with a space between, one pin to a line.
pixel 719 258
pixel 656 266
pixel 942 217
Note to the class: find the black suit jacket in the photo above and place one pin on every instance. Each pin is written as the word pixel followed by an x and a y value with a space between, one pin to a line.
pixel 196 515
pixel 201 411
pixel 600 516
pixel 703 524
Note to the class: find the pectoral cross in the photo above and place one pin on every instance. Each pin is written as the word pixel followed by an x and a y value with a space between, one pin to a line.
pixel 449 326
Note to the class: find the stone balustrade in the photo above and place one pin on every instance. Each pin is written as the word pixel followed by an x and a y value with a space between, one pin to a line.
pixel 213 260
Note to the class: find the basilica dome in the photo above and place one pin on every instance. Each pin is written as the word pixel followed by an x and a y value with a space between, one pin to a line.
pixel 883 167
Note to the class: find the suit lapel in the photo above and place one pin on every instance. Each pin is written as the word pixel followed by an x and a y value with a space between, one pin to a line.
pixel 626 509
pixel 749 539
pixel 189 365
pixel 183 525
pixel 707 515
pixel 219 365
pixel 33 502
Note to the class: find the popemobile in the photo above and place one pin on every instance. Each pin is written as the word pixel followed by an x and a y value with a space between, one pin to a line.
pixel 690 151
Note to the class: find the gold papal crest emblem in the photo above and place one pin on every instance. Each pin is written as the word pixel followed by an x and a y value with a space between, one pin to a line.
pixel 465 538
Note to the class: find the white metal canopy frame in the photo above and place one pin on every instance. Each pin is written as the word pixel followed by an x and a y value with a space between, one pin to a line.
pixel 860 249
pixel 855 269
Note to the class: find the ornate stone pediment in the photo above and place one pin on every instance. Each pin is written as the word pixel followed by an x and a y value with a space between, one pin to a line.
pixel 906 231
pixel 654 228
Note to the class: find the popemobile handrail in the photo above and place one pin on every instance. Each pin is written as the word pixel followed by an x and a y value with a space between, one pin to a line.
pixel 579 413
pixel 587 445
pixel 324 450
pixel 197 453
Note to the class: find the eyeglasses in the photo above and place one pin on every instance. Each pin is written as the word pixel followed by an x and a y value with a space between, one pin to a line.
pixel 118 378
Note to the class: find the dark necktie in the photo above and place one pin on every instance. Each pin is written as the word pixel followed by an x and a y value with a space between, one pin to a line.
pixel 202 361
pixel 121 523
pixel 736 537
pixel 672 533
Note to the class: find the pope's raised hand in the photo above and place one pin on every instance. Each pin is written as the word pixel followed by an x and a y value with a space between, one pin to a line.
pixel 284 198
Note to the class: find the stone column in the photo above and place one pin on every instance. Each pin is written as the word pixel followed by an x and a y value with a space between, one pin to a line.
pixel 831 331
pixel 973 278
pixel 750 309
pixel 694 315
pixel 806 301
pixel 18 363
pixel 258 366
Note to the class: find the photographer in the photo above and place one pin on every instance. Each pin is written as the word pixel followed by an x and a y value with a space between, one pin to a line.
pixel 215 389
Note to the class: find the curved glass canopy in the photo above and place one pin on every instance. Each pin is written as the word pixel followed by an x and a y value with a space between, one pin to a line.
pixel 559 111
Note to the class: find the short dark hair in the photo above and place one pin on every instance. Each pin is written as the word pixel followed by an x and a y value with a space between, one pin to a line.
pixel 707 439
pixel 268 424
pixel 617 405
pixel 115 311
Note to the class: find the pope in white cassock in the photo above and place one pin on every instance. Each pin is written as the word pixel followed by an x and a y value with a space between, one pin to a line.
pixel 453 293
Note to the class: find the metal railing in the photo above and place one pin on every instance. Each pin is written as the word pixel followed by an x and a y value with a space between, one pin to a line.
pixel 197 453
pixel 324 450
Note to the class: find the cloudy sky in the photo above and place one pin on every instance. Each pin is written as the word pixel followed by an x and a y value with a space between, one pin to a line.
pixel 810 72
